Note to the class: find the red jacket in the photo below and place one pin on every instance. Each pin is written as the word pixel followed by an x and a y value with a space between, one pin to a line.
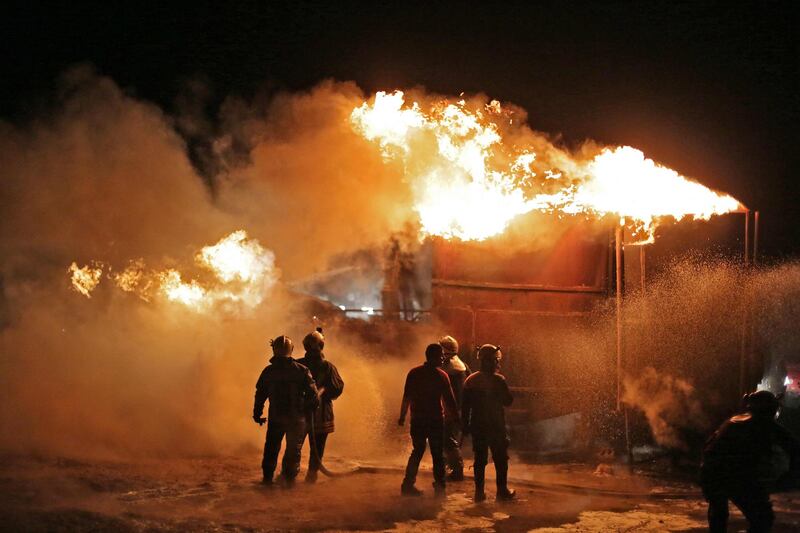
pixel 429 394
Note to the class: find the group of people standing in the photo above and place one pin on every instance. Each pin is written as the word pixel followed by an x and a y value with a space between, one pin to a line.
pixel 446 400
pixel 300 394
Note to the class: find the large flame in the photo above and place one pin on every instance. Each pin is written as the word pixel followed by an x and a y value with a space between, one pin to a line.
pixel 468 183
pixel 242 271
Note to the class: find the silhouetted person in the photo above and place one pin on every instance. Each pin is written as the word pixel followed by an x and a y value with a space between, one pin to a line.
pixel 738 460
pixel 429 395
pixel 330 386
pixel 486 394
pixel 291 392
pixel 457 371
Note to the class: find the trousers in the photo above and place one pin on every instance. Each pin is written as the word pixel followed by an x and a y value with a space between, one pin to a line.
pixel 452 446
pixel 294 431
pixel 432 434
pixel 752 500
pixel 320 439
pixel 498 444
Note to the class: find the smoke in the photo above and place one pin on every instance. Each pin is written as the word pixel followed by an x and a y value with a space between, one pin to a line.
pixel 669 404
pixel 684 337
pixel 104 176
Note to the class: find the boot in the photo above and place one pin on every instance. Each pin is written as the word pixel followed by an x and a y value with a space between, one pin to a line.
pixel 439 489
pixel 311 476
pixel 480 495
pixel 503 492
pixel 408 489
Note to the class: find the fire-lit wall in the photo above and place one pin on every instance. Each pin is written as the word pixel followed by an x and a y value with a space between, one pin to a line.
pixel 535 298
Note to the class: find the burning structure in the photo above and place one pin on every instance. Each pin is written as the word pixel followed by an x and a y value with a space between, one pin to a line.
pixel 526 238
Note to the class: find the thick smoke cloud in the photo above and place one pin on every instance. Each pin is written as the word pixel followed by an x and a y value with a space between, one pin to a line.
pixel 106 176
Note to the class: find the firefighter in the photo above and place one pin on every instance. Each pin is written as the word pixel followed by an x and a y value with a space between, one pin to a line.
pixel 457 371
pixel 290 390
pixel 428 393
pixel 330 386
pixel 739 463
pixel 485 396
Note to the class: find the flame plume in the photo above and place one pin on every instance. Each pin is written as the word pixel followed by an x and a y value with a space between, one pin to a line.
pixel 469 183
pixel 242 271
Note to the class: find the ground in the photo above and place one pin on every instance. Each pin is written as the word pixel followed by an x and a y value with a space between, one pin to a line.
pixel 224 494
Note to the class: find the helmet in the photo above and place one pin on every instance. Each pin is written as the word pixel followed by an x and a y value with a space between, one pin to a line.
pixel 449 345
pixel 762 403
pixel 434 353
pixel 314 341
pixel 489 356
pixel 282 346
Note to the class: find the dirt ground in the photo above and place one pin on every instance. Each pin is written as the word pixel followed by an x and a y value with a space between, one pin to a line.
pixel 224 494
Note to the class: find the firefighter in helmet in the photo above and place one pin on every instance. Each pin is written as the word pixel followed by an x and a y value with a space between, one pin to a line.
pixel 485 396
pixel 740 464
pixel 330 386
pixel 457 371
pixel 290 390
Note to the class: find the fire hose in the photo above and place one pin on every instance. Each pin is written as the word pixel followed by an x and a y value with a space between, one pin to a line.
pixel 312 440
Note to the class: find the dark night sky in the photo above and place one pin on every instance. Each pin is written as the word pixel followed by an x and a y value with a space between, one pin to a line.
pixel 709 88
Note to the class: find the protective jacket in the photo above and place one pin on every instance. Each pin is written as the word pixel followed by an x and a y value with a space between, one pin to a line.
pixel 485 395
pixel 327 379
pixel 457 370
pixel 289 388
pixel 742 453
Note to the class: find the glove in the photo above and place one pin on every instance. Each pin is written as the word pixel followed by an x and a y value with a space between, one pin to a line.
pixel 259 420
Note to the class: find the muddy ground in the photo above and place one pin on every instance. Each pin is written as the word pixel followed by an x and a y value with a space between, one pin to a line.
pixel 224 494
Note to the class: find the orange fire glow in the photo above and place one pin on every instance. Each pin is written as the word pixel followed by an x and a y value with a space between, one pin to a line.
pixel 469 184
pixel 242 271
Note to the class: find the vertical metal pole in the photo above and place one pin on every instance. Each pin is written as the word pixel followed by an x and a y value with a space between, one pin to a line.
pixel 642 267
pixel 618 264
pixel 745 325
pixel 620 258
pixel 747 237
pixel 755 238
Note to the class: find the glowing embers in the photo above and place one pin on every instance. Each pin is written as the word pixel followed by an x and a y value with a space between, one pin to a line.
pixel 85 279
pixel 236 271
pixel 469 180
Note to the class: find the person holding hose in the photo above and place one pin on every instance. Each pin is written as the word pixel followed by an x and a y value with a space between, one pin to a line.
pixel 740 464
pixel 291 392
pixel 330 386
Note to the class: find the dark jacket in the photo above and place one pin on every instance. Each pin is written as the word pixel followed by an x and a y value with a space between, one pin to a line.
pixel 482 406
pixel 428 393
pixel 742 451
pixel 289 388
pixel 328 380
